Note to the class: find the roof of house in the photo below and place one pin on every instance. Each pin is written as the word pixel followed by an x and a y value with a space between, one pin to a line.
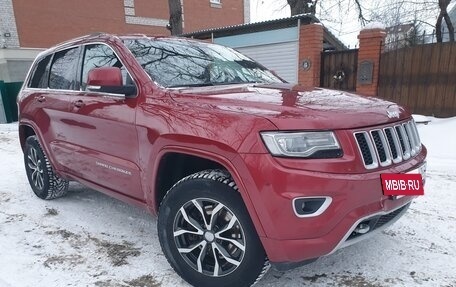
pixel 452 14
pixel 401 28
pixel 331 42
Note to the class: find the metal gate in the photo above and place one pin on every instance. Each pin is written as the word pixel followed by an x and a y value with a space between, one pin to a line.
pixel 338 69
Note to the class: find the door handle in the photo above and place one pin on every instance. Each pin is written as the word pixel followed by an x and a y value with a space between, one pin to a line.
pixel 78 103
pixel 40 98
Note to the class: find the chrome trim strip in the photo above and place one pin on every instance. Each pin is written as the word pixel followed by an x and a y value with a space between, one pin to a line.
pixel 405 140
pixel 417 134
pixel 323 207
pixel 396 144
pixel 411 138
pixel 53 91
pixel 343 243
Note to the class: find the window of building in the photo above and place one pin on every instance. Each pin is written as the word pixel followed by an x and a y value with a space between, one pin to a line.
pixel 216 3
pixel 63 70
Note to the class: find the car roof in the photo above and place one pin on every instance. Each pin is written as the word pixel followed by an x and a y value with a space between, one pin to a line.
pixel 106 37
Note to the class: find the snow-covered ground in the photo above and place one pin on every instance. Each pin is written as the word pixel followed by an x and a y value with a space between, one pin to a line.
pixel 89 239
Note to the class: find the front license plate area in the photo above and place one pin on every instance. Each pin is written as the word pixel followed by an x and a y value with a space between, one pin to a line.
pixel 402 184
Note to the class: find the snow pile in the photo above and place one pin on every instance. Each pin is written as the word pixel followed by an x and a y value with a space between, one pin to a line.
pixel 9 127
pixel 421 119
pixel 374 25
pixel 440 139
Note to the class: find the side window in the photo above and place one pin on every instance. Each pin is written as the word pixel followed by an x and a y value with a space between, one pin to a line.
pixel 97 56
pixel 64 69
pixel 41 74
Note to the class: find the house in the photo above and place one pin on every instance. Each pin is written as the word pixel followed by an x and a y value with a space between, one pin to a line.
pixel 396 36
pixel 26 27
pixel 452 14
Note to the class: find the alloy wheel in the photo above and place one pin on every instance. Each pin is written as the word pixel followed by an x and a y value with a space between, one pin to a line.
pixel 209 237
pixel 36 167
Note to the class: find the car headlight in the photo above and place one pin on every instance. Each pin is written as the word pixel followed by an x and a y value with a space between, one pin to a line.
pixel 322 144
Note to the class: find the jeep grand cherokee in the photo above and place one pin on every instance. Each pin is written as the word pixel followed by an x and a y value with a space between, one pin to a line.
pixel 243 169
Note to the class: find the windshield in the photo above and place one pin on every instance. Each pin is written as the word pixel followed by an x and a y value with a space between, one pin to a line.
pixel 182 63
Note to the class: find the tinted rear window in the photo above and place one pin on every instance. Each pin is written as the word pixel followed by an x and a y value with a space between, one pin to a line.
pixel 64 69
pixel 41 74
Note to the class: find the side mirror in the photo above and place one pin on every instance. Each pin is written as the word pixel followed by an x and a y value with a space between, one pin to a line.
pixel 109 80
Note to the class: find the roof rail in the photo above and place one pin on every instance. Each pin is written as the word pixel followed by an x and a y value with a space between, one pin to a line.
pixel 139 35
pixel 98 34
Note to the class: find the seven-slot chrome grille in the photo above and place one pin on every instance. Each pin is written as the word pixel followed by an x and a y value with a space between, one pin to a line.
pixel 388 145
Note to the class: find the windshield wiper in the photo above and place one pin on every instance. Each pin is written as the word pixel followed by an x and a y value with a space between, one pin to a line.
pixel 191 85
pixel 215 84
pixel 237 83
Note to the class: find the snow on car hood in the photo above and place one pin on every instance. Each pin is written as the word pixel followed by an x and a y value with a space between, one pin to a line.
pixel 291 107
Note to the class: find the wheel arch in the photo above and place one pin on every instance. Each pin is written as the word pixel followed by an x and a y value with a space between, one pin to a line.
pixel 28 128
pixel 25 131
pixel 195 161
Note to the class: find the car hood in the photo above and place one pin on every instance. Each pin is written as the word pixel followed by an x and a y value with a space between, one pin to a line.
pixel 292 107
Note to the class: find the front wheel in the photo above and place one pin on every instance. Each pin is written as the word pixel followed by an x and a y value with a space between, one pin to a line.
pixel 207 235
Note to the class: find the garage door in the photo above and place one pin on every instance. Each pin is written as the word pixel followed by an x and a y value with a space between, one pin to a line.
pixel 280 58
pixel 277 49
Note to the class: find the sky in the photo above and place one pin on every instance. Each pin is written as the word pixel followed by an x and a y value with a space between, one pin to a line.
pixel 261 10
pixel 339 16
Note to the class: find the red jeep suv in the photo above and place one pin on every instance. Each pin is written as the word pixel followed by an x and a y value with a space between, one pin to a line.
pixel 243 169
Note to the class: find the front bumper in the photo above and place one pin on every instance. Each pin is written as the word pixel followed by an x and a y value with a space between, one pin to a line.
pixel 290 240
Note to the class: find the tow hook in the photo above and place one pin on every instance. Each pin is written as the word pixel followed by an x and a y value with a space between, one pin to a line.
pixel 362 228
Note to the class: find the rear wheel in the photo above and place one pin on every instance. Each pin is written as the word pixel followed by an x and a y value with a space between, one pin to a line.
pixel 206 233
pixel 44 182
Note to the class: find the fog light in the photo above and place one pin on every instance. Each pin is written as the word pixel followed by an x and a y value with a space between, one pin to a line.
pixel 310 206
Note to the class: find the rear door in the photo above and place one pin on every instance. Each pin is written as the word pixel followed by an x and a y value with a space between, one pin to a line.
pixel 51 86
pixel 102 130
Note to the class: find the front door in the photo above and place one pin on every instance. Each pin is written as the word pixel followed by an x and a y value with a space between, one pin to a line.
pixel 52 85
pixel 103 130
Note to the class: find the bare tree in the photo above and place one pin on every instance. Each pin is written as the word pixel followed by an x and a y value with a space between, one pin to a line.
pixel 443 15
pixel 389 12
pixel 310 7
pixel 302 6
pixel 175 17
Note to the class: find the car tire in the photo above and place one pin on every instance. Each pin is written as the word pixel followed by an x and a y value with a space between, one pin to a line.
pixel 206 248
pixel 44 182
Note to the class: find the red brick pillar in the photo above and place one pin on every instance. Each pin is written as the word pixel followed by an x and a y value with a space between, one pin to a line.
pixel 370 48
pixel 310 48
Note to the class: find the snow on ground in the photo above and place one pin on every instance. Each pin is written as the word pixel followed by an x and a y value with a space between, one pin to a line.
pixel 89 239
